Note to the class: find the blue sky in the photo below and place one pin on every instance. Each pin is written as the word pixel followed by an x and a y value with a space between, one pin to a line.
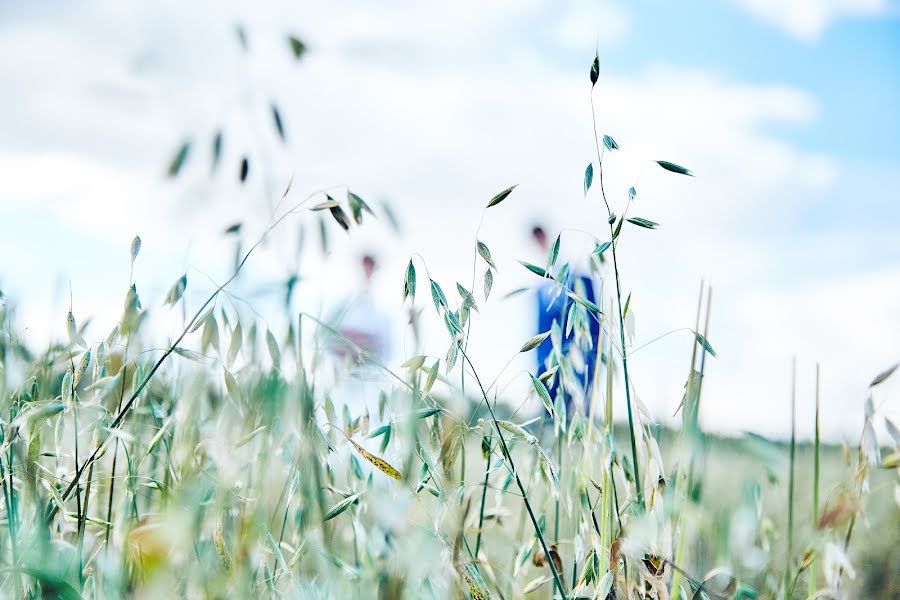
pixel 851 68
pixel 786 111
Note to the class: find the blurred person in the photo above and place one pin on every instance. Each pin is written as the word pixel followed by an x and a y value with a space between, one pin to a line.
pixel 552 304
pixel 362 323
pixel 363 342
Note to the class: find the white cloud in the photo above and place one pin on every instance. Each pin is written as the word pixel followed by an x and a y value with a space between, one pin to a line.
pixel 819 321
pixel 809 19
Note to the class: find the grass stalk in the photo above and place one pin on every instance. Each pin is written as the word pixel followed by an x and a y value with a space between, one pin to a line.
pixel 115 456
pixel 84 515
pixel 559 458
pixel 10 514
pixel 815 495
pixel 634 456
pixel 697 453
pixel 638 485
pixel 487 466
pixel 790 500
pixel 462 469
pixel 557 581
pixel 79 515
pixel 608 513
pixel 682 481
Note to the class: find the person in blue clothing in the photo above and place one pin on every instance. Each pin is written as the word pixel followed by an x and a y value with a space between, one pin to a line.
pixel 553 307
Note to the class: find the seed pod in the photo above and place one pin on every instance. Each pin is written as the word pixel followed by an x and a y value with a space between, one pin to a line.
pixel 82 367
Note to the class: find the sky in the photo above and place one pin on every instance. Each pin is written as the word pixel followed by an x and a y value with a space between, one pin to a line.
pixel 785 110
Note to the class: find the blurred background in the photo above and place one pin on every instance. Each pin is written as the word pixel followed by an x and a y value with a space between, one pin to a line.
pixel 786 112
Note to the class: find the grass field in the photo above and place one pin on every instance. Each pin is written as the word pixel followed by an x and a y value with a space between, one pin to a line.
pixel 225 463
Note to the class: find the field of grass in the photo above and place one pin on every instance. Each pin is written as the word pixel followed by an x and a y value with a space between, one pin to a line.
pixel 225 464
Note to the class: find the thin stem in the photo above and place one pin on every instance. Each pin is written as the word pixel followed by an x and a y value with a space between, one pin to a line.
pixel 355 542
pixel 599 151
pixel 84 515
pixel 678 570
pixel 657 338
pixel 462 469
pixel 815 511
pixel 487 466
pixel 606 539
pixel 682 478
pixel 847 540
pixel 615 497
pixel 112 480
pixel 462 386
pixel 574 572
pixel 78 504
pixel 634 457
pixel 10 517
pixel 287 507
pixel 556 509
pixel 696 433
pixel 790 507
pixel 537 528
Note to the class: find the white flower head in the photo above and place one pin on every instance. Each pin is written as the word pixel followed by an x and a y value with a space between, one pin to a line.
pixel 837 563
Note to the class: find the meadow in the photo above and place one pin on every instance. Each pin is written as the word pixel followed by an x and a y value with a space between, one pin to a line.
pixel 226 463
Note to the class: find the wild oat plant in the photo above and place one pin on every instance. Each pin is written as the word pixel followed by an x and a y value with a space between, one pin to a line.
pixel 226 465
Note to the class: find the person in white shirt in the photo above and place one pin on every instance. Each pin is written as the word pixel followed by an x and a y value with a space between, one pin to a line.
pixel 362 344
pixel 362 323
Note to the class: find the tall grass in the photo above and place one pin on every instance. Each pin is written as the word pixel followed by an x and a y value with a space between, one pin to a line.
pixel 228 464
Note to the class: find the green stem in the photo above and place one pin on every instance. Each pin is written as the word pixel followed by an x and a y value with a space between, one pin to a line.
pixel 847 541
pixel 683 476
pixel 537 528
pixel 462 469
pixel 790 516
pixel 287 507
pixel 78 504
pixel 11 516
pixel 84 515
pixel 487 466
pixel 615 497
pixel 812 566
pixel 635 468
pixel 634 456
pixel 559 462
pixel 112 479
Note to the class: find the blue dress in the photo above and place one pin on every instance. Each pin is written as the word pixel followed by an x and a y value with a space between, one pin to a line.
pixel 553 306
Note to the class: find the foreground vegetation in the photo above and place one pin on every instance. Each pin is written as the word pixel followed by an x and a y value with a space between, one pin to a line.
pixel 228 465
